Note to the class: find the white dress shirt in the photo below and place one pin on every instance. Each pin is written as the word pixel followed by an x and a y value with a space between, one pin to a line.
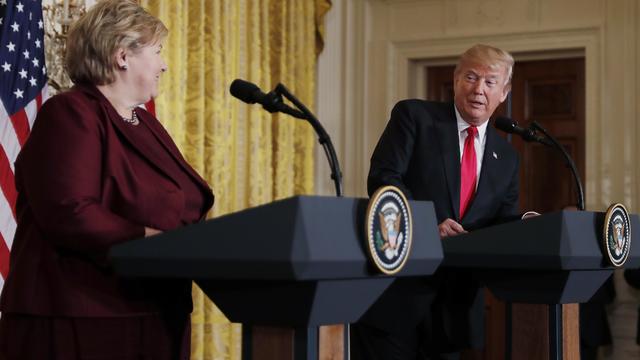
pixel 479 142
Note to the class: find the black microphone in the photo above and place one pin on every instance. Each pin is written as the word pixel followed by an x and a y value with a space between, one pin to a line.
pixel 510 126
pixel 250 93
pixel 246 91
pixel 272 102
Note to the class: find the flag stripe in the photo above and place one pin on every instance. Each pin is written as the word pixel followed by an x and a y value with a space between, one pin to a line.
pixel 39 97
pixel 4 259
pixel 7 182
pixel 8 138
pixel 150 106
pixel 31 110
pixel 7 222
pixel 20 123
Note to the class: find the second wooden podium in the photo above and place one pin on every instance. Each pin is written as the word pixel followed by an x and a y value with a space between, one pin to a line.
pixel 538 265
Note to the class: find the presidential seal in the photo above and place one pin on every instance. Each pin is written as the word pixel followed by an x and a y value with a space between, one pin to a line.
pixel 388 229
pixel 617 234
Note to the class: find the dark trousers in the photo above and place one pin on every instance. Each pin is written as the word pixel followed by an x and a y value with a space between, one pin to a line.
pixel 370 343
pixel 152 337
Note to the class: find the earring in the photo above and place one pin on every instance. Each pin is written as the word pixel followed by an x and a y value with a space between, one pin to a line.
pixel 124 67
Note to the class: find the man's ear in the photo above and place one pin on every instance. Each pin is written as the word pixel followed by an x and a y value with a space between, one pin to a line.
pixel 505 92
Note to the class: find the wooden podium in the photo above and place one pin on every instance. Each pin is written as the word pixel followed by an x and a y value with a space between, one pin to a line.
pixel 542 267
pixel 283 269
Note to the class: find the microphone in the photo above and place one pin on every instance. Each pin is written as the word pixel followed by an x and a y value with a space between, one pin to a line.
pixel 272 102
pixel 511 127
pixel 246 91
pixel 250 93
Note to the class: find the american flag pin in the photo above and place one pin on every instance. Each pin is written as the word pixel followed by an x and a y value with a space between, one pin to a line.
pixel 495 155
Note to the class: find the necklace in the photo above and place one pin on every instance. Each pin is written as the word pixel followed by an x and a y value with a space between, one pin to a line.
pixel 134 119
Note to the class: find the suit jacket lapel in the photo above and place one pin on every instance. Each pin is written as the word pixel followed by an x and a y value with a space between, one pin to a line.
pixel 447 133
pixel 170 147
pixel 143 148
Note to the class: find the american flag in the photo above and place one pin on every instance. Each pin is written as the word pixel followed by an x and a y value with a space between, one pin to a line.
pixel 23 88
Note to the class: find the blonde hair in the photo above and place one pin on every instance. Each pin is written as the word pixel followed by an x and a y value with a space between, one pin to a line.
pixel 487 55
pixel 108 26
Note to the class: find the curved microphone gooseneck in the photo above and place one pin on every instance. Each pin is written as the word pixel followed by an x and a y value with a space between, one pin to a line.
pixel 323 137
pixel 272 102
pixel 568 161
pixel 529 134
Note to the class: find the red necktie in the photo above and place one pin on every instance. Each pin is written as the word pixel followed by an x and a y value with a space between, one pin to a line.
pixel 468 171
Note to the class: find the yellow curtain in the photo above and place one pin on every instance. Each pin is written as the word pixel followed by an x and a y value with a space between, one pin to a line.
pixel 248 156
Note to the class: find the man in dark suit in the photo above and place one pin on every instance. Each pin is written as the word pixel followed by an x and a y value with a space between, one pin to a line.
pixel 445 153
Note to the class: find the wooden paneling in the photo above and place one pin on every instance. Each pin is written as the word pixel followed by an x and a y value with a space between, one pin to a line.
pixel 275 343
pixel 331 342
pixel 530 335
pixel 571 332
pixel 550 92
pixel 271 343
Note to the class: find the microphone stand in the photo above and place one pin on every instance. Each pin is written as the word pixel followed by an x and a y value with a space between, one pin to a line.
pixel 323 136
pixel 555 311
pixel 567 159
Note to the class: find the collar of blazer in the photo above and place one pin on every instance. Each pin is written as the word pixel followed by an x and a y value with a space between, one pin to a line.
pixel 447 131
pixel 143 148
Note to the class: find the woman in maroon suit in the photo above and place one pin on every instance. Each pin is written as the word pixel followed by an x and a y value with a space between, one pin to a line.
pixel 96 171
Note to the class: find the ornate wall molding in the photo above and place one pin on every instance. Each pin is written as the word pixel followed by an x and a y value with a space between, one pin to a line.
pixel 58 15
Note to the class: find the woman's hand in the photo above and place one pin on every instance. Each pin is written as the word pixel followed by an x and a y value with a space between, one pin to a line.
pixel 151 231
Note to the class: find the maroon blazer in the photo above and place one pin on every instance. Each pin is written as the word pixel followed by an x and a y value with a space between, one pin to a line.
pixel 83 186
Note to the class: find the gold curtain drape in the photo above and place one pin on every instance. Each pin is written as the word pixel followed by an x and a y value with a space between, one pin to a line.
pixel 248 156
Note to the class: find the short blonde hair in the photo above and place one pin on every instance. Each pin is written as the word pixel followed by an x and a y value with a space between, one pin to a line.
pixel 108 26
pixel 487 55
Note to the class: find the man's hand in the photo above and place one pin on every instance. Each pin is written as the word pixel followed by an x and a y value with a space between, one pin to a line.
pixel 450 227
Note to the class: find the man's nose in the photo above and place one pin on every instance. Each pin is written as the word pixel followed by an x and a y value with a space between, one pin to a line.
pixel 478 87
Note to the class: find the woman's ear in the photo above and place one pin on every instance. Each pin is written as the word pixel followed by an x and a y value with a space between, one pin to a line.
pixel 121 59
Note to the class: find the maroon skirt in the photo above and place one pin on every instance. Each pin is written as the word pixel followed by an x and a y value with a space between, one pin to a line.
pixel 151 337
